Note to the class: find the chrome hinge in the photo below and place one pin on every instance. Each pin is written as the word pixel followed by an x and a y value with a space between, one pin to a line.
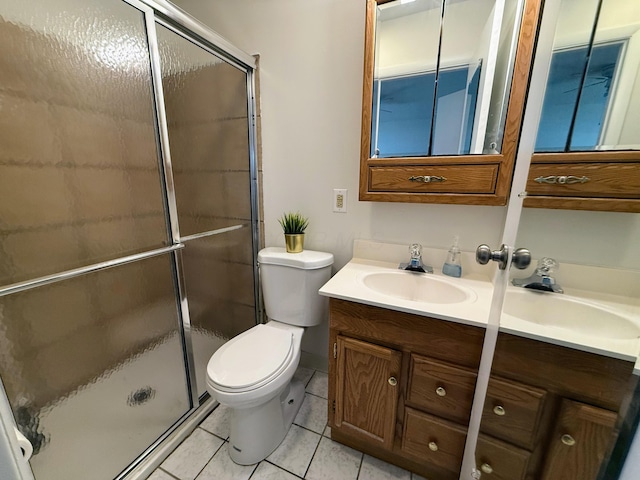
pixel 335 350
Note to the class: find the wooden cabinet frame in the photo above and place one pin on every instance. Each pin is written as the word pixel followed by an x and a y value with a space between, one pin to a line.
pixel 503 162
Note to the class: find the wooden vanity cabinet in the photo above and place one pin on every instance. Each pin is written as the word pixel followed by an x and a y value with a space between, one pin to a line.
pixel 401 386
pixel 551 412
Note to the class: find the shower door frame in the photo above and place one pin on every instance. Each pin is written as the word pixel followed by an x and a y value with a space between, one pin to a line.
pixel 171 17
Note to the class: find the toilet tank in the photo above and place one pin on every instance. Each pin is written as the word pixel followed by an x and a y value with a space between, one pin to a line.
pixel 290 284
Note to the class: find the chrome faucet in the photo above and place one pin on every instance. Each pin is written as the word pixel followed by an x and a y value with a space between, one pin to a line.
pixel 541 278
pixel 415 263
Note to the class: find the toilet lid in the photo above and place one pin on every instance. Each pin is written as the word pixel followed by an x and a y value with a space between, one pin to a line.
pixel 251 357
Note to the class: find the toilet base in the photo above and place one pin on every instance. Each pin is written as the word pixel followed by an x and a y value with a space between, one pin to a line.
pixel 258 431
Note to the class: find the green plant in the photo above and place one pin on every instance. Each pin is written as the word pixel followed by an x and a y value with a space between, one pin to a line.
pixel 293 223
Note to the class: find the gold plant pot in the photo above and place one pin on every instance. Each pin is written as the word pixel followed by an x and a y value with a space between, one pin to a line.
pixel 294 242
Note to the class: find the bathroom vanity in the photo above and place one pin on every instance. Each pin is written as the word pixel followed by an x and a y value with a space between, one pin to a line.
pixel 402 383
pixel 401 388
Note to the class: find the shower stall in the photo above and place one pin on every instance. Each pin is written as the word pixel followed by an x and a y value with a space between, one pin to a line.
pixel 128 224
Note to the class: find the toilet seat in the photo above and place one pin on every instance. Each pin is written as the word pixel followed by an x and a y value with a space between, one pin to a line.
pixel 251 359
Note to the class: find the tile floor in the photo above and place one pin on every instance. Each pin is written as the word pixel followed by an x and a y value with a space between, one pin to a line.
pixel 306 452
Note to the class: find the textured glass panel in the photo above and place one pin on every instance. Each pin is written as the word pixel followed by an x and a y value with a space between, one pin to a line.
pixel 219 278
pixel 79 178
pixel 93 368
pixel 206 103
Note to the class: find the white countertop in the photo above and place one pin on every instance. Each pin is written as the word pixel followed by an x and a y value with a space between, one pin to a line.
pixel 348 284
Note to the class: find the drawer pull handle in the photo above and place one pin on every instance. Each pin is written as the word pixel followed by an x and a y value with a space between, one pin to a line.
pixel 393 381
pixel 441 392
pixel 433 446
pixel 562 179
pixel 486 468
pixel 427 178
pixel 568 440
pixel 499 410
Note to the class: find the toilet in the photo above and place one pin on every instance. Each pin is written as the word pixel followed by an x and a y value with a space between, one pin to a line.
pixel 252 373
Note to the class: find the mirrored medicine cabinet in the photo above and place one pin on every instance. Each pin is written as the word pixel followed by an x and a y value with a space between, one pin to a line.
pixel 444 90
pixel 587 150
pixel 444 93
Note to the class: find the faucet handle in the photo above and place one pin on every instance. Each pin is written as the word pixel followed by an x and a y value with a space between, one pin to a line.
pixel 546 265
pixel 415 249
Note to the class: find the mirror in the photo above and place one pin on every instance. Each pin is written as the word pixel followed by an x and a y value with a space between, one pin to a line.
pixel 592 99
pixel 444 88
pixel 442 76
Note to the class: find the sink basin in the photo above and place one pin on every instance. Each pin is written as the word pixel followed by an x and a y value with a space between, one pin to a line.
pixel 417 287
pixel 555 310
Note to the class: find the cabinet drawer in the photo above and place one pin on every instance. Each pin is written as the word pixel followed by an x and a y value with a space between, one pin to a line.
pixel 441 179
pixel 500 461
pixel 511 411
pixel 433 440
pixel 615 180
pixel 442 389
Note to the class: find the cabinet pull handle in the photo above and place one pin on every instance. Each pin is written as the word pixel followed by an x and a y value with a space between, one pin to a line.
pixel 499 410
pixel 441 392
pixel 562 179
pixel 427 178
pixel 568 440
pixel 433 446
pixel 393 381
pixel 486 468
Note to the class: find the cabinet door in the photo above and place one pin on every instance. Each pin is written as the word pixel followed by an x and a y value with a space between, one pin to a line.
pixel 582 437
pixel 367 385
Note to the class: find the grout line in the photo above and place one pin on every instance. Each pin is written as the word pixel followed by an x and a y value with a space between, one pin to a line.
pixel 281 468
pixel 316 395
pixel 360 466
pixel 168 473
pixel 211 458
pixel 312 456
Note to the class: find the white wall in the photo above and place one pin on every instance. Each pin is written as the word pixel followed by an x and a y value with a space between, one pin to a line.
pixel 311 60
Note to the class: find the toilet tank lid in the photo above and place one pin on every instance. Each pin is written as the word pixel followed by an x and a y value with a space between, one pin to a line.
pixel 306 260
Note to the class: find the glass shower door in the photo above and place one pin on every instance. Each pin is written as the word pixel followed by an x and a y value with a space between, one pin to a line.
pixel 207 111
pixel 90 334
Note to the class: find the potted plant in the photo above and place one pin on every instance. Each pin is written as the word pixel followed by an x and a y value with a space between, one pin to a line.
pixel 294 225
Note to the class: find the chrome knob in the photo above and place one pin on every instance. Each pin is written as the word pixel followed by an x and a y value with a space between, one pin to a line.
pixel 568 440
pixel 393 381
pixel 499 410
pixel 520 259
pixel 486 468
pixel 433 446
pixel 441 392
pixel 484 254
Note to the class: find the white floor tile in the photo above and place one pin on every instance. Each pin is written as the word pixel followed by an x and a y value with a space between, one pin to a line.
pixel 303 374
pixel 312 414
pixel 319 384
pixel 327 432
pixel 160 475
pixel 375 469
pixel 415 476
pixel 192 455
pixel 266 471
pixel 296 450
pixel 221 467
pixel 334 461
pixel 218 422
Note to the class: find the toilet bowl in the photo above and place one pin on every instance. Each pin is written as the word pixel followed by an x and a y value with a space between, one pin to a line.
pixel 252 373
